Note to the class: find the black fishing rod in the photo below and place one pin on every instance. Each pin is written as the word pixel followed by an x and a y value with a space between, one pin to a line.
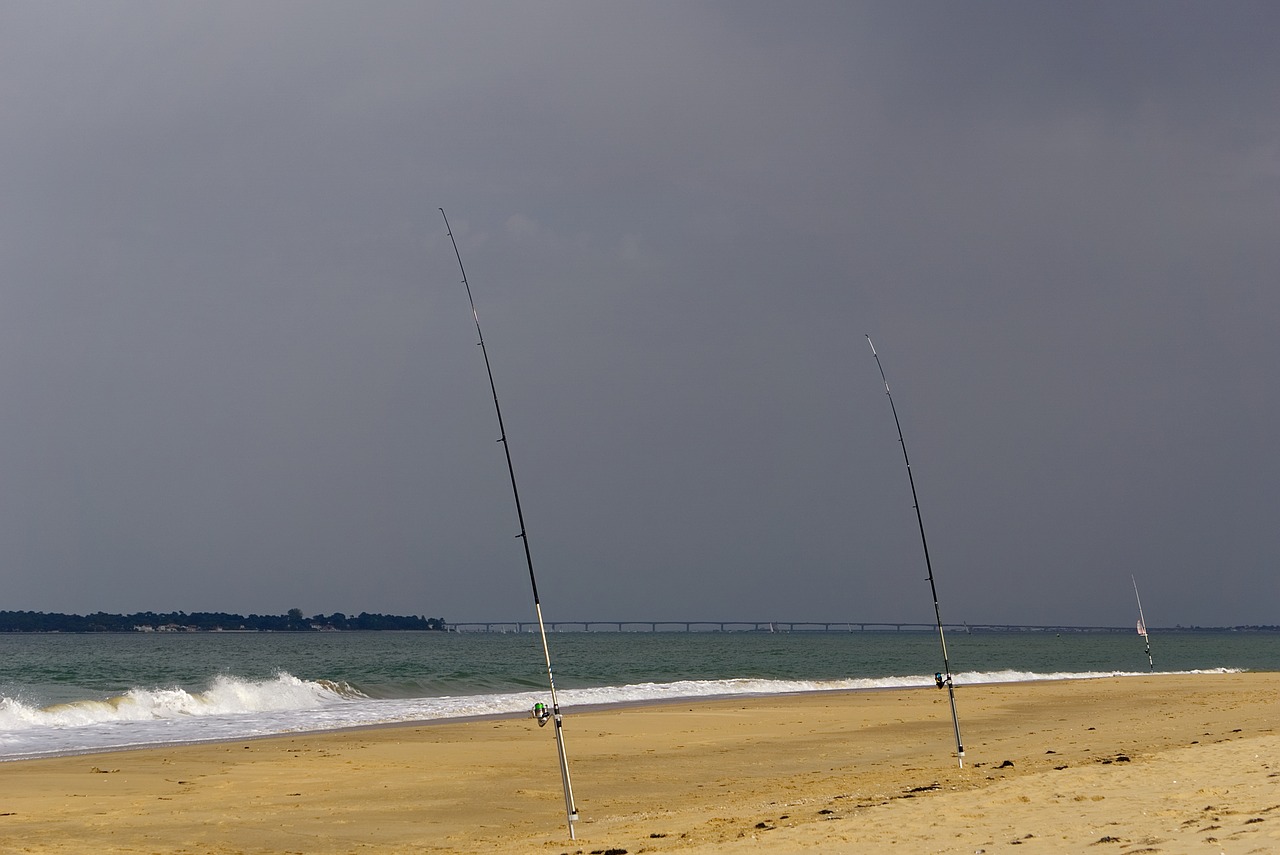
pixel 539 710
pixel 943 677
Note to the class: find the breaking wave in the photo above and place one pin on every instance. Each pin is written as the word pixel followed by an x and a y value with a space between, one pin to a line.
pixel 225 696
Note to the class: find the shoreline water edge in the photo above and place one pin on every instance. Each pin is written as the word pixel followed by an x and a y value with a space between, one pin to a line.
pixel 1170 763
pixel 72 695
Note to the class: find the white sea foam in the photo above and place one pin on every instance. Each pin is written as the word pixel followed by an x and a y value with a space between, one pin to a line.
pixel 233 708
pixel 225 696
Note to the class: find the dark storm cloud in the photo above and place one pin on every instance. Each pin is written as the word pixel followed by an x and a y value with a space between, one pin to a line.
pixel 240 372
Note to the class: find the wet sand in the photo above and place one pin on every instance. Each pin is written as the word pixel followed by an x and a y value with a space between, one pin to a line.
pixel 1138 764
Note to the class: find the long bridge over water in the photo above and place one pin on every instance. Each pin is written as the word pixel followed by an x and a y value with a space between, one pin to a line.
pixel 756 626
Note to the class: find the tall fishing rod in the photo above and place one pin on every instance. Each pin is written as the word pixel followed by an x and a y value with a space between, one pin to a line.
pixel 943 677
pixel 1142 626
pixel 539 710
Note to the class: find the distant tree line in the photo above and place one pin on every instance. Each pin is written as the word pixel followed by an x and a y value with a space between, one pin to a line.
pixel 293 621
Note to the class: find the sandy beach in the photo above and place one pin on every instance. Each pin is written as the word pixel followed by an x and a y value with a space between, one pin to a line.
pixel 1139 764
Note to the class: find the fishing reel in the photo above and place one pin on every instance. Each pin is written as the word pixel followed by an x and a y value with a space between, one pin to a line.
pixel 541 713
pixel 940 680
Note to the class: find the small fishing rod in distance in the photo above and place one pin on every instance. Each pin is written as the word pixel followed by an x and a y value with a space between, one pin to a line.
pixel 1142 625
pixel 539 710
pixel 943 677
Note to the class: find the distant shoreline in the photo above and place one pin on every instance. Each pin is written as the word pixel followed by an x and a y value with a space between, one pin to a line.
pixel 294 622
pixel 184 622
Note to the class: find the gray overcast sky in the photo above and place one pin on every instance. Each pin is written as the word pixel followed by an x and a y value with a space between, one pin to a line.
pixel 238 369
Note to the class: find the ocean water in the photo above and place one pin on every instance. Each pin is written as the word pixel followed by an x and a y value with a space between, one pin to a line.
pixel 64 694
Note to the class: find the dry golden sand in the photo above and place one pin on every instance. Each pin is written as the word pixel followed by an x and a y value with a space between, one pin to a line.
pixel 1181 764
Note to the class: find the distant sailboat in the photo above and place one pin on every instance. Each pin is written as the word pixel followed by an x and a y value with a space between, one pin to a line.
pixel 1142 625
